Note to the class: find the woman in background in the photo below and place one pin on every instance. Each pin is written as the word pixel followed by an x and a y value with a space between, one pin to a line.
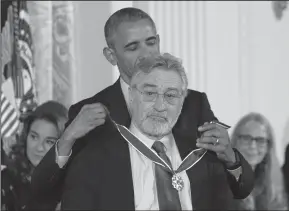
pixel 40 131
pixel 253 137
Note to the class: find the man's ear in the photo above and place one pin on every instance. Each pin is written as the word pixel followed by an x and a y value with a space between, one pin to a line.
pixel 110 55
pixel 158 41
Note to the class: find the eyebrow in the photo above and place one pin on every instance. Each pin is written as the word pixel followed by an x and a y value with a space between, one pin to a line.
pixel 50 137
pixel 173 89
pixel 35 133
pixel 154 86
pixel 136 42
pixel 131 43
pixel 149 85
pixel 151 38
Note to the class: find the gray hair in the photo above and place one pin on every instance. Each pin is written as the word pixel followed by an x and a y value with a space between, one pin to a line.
pixel 167 61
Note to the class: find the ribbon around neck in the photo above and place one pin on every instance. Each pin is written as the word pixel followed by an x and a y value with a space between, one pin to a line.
pixel 190 160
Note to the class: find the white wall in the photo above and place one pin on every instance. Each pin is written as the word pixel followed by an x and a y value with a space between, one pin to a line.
pixel 93 72
pixel 269 65
pixel 237 52
pixel 234 51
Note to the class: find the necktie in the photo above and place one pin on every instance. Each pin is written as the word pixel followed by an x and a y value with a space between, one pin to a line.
pixel 168 196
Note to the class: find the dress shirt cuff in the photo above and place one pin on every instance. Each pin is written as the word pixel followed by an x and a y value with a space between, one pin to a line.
pixel 61 160
pixel 236 172
pixel 236 169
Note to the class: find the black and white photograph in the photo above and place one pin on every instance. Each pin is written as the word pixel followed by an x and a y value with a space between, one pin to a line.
pixel 144 105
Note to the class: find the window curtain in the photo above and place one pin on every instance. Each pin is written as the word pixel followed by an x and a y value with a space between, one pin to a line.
pixel 52 26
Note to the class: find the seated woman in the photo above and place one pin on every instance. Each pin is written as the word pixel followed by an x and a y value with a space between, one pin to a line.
pixel 40 131
pixel 253 137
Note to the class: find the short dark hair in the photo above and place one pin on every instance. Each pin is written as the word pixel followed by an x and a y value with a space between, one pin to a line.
pixel 120 16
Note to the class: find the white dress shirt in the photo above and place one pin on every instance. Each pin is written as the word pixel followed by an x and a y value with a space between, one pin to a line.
pixel 62 160
pixel 143 174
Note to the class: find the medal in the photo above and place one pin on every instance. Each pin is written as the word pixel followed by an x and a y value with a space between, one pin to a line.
pixel 177 182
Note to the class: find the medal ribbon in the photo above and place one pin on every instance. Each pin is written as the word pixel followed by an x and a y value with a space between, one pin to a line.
pixel 192 158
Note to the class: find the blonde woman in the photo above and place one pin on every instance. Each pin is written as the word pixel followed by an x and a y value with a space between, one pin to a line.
pixel 253 137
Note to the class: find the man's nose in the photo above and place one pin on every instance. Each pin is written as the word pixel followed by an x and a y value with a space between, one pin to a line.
pixel 253 144
pixel 160 104
pixel 148 50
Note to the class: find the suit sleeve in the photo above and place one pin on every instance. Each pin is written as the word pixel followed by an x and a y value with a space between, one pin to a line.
pixel 78 193
pixel 221 194
pixel 207 114
pixel 47 176
pixel 285 170
pixel 243 187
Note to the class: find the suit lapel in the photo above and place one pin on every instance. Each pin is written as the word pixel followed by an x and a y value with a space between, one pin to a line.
pixel 117 106
pixel 119 176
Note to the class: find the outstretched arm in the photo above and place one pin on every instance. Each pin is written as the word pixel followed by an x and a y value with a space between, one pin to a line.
pixel 241 184
pixel 48 176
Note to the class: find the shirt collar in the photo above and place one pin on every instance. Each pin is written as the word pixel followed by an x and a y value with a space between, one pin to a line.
pixel 124 88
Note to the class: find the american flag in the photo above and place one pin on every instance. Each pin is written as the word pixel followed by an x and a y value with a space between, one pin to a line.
pixel 9 118
pixel 25 48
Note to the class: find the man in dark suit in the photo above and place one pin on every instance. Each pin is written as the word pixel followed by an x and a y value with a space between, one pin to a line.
pixel 116 173
pixel 131 34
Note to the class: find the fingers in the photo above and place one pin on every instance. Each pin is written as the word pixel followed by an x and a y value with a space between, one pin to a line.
pixel 91 112
pixel 213 133
pixel 215 148
pixel 92 106
pixel 213 130
pixel 208 140
pixel 96 107
pixel 96 123
pixel 210 133
pixel 101 115
pixel 209 126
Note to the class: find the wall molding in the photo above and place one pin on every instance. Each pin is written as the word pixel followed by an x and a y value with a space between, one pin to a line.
pixel 201 45
pixel 188 19
pixel 244 70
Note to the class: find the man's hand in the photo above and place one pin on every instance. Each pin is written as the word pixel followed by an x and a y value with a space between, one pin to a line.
pixel 89 117
pixel 216 138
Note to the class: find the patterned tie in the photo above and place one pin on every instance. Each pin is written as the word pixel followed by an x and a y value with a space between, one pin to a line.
pixel 168 196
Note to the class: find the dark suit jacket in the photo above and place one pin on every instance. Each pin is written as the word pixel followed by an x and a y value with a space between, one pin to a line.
pixel 100 177
pixel 48 178
pixel 285 170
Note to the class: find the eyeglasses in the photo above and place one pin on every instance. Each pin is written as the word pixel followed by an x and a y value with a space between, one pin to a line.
pixel 247 139
pixel 170 96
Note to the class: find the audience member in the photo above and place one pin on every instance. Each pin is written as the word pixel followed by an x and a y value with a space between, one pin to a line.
pixel 253 137
pixel 40 131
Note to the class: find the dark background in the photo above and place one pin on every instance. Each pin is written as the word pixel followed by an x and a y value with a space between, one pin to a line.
pixel 4 8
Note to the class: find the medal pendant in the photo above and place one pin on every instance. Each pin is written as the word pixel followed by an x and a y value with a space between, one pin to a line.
pixel 177 182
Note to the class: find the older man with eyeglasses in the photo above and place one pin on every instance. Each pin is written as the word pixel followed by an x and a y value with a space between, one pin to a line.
pixel 148 166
